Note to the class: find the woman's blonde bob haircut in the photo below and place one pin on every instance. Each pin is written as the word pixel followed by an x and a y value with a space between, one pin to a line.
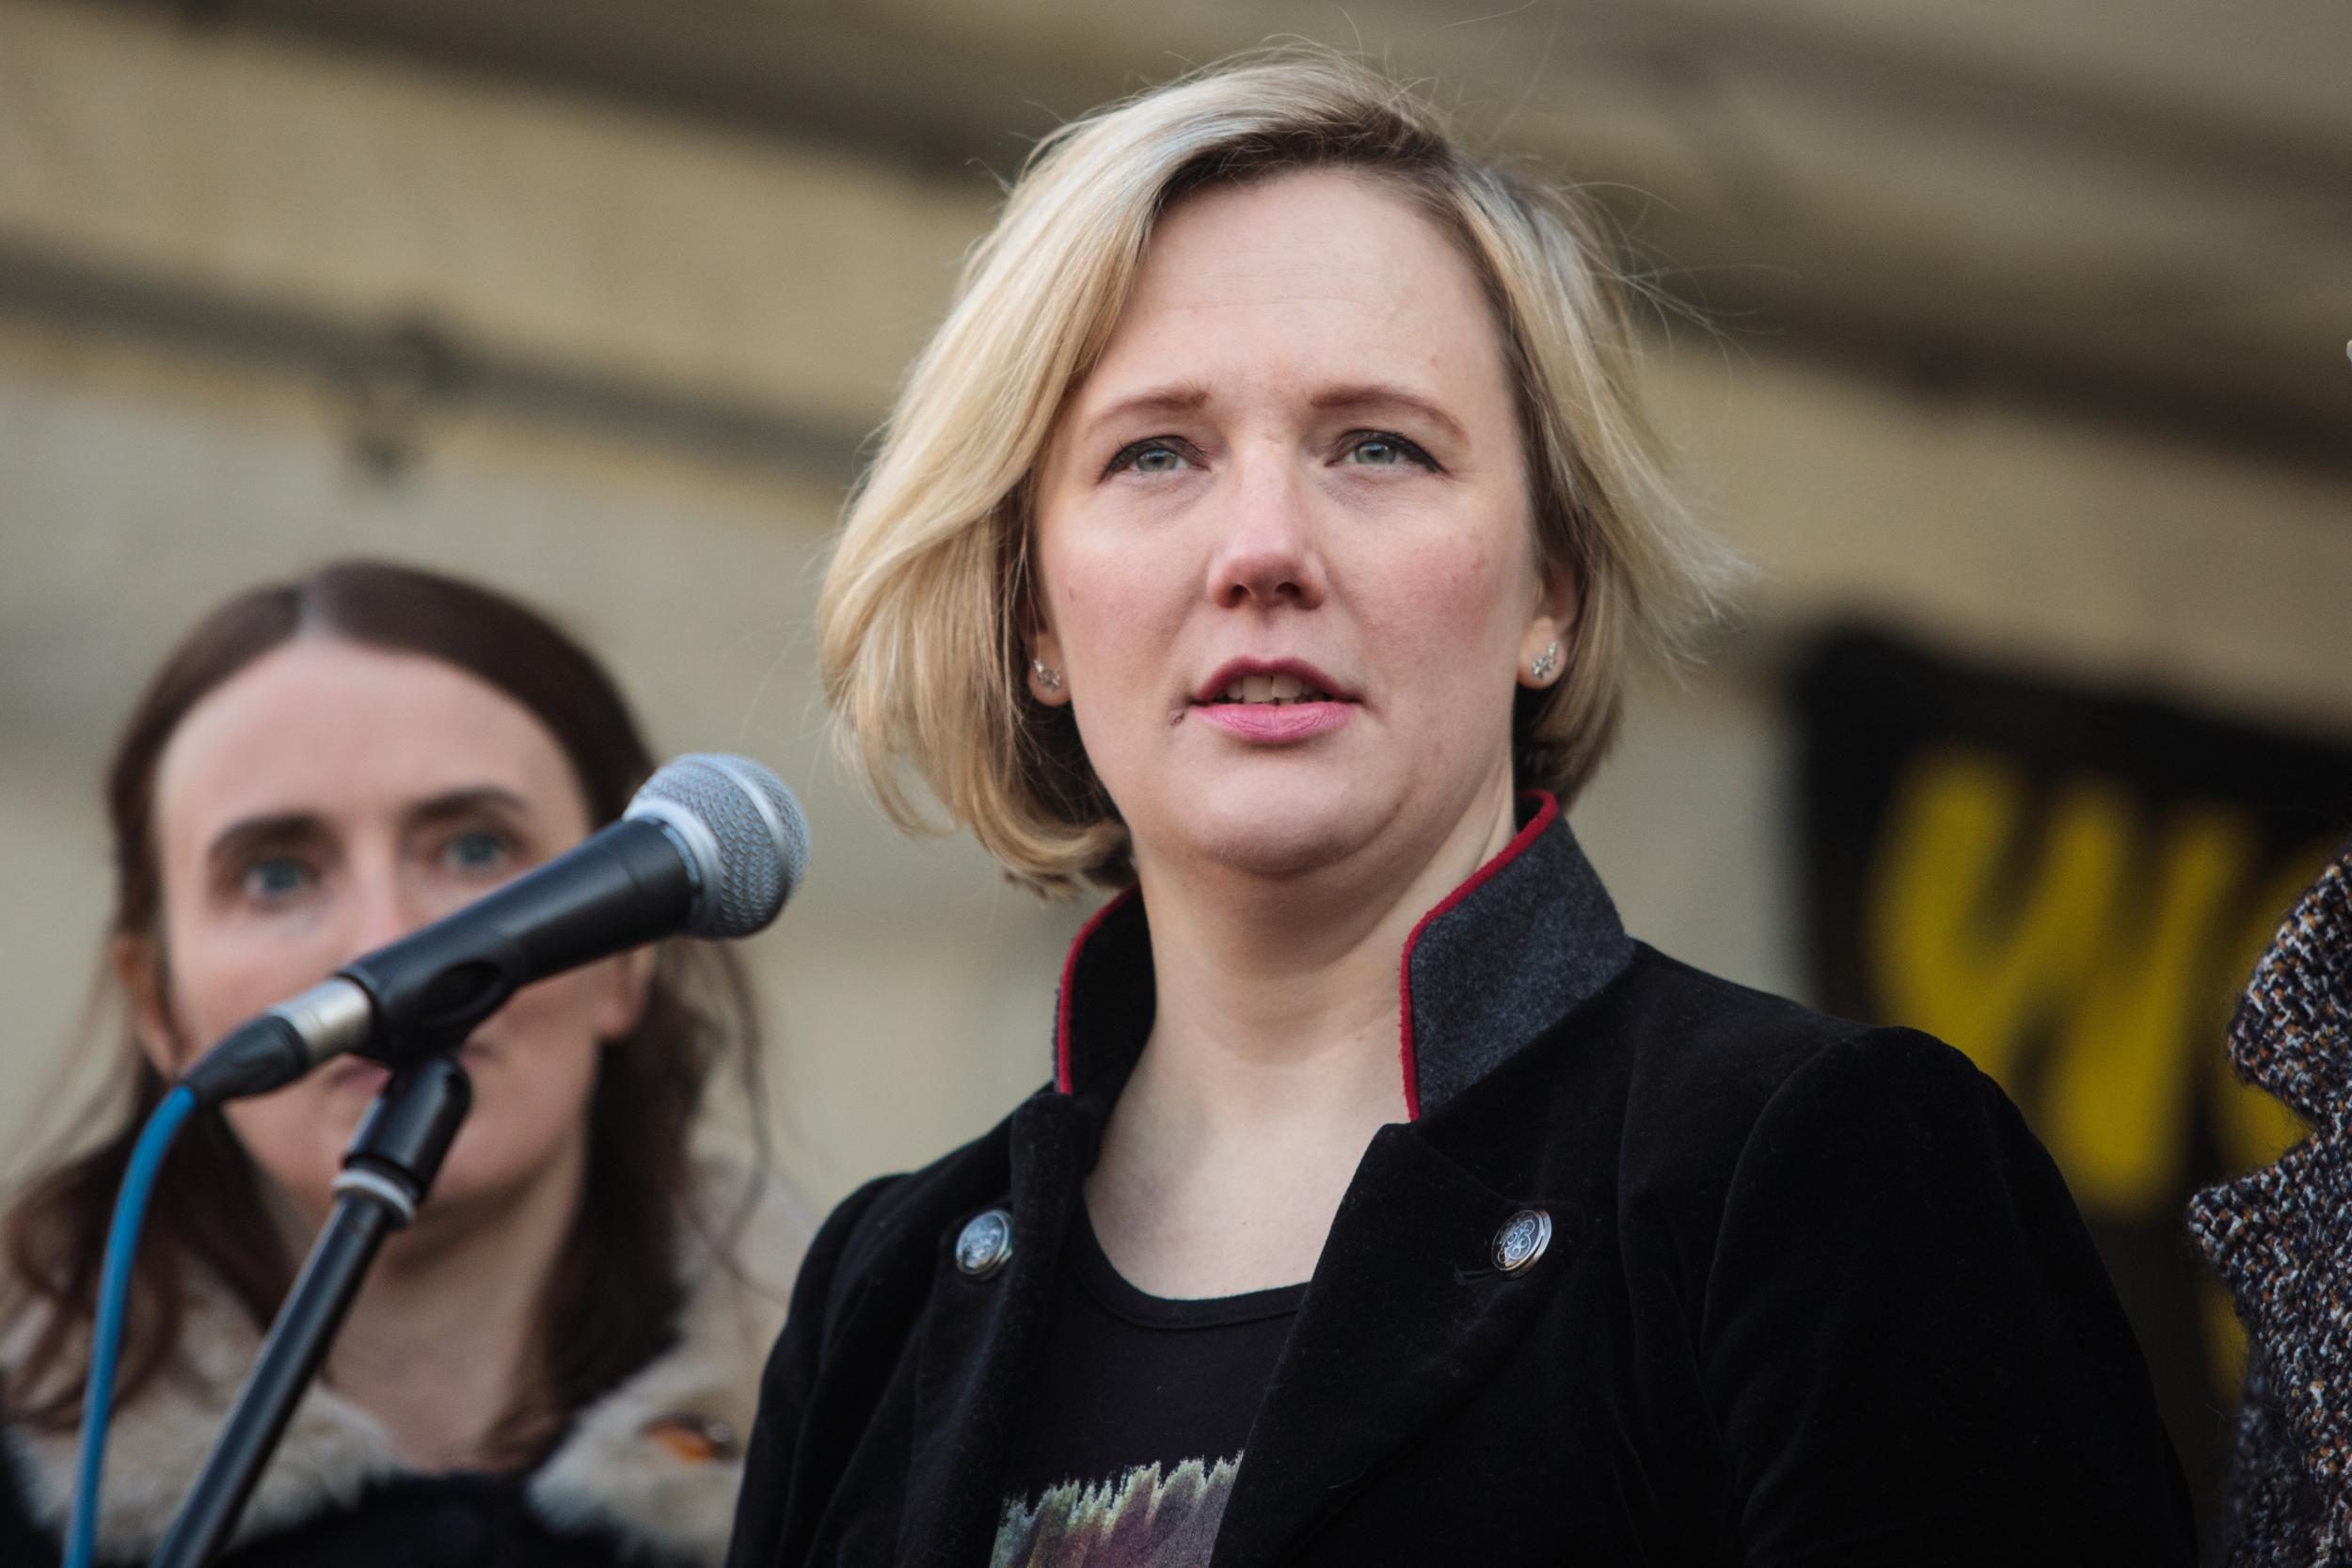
pixel 926 609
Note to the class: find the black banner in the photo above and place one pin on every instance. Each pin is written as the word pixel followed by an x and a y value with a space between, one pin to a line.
pixel 2072 888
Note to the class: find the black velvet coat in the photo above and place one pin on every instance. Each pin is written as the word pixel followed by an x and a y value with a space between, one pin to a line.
pixel 1814 1294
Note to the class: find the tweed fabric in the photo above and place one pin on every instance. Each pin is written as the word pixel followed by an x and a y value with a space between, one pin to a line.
pixel 2282 1238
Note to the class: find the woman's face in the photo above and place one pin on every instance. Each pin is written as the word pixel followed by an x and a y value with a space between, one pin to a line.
pixel 324 800
pixel 1296 479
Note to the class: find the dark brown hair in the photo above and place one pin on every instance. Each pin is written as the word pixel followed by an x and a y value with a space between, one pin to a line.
pixel 616 1290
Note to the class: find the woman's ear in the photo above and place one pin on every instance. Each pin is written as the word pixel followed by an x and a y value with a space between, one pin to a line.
pixel 626 991
pixel 1549 640
pixel 1048 682
pixel 137 962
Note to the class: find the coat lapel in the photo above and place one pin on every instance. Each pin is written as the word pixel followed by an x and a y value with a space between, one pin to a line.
pixel 1407 1313
pixel 980 1346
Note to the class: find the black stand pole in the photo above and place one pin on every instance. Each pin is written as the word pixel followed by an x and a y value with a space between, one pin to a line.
pixel 387 1172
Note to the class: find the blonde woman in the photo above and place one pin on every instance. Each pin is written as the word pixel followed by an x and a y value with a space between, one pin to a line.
pixel 1263 535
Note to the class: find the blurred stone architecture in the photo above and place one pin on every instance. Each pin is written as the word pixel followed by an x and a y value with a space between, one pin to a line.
pixel 2027 345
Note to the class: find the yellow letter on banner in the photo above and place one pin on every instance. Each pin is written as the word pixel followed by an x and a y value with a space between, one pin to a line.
pixel 2116 1108
pixel 1996 924
pixel 1948 962
pixel 1992 933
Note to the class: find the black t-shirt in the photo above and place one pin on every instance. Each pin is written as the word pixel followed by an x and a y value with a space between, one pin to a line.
pixel 1141 1412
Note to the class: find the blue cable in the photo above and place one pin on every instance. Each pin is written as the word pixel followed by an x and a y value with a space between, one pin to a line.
pixel 114 1301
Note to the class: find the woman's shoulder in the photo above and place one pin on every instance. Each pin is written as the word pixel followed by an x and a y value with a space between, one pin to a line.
pixel 745 1221
pixel 1711 1082
pixel 159 1440
pixel 654 1463
pixel 647 1472
pixel 1726 1052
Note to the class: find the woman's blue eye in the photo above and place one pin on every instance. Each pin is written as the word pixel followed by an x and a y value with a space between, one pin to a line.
pixel 1384 451
pixel 275 877
pixel 478 850
pixel 1152 455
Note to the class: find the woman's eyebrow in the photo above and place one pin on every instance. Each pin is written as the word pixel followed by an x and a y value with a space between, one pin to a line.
pixel 1180 398
pixel 1376 396
pixel 247 834
pixel 465 802
pixel 242 837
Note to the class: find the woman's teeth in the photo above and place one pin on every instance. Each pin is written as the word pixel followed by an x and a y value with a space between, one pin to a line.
pixel 1272 689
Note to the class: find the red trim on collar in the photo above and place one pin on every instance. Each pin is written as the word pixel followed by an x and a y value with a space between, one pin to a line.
pixel 1525 836
pixel 1547 809
pixel 1068 983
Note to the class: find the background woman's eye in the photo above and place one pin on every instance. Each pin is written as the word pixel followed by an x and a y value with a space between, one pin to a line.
pixel 478 850
pixel 274 879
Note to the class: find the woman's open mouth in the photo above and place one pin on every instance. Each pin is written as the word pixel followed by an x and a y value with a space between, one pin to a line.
pixel 1274 706
pixel 1276 691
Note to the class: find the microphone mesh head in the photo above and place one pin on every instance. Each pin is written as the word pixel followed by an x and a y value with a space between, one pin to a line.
pixel 744 832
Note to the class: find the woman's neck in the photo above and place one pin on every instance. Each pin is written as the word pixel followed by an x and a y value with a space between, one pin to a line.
pixel 441 1344
pixel 1272 1061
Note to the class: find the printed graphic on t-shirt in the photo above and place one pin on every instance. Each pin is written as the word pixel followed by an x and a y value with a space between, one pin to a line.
pixel 1138 1520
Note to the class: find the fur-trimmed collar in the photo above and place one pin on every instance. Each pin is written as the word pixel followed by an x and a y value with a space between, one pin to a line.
pixel 620 1470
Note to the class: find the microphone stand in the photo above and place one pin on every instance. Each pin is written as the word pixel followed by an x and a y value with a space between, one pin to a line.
pixel 387 1172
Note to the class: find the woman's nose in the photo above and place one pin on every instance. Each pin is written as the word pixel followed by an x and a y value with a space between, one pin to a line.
pixel 1266 553
pixel 385 908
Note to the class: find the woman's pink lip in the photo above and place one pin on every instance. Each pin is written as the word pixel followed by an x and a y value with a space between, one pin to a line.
pixel 359 1069
pixel 1277 724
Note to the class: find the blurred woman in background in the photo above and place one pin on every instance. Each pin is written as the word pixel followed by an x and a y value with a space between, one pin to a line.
pixel 1264 534
pixel 552 1365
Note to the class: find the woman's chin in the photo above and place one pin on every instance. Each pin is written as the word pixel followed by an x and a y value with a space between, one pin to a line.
pixel 471 1191
pixel 1279 842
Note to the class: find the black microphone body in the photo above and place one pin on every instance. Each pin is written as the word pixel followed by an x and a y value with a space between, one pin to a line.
pixel 622 887
pixel 712 845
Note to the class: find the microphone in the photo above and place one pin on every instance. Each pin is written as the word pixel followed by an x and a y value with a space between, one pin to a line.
pixel 711 846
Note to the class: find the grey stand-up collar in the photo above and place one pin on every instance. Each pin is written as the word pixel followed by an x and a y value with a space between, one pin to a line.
pixel 1512 951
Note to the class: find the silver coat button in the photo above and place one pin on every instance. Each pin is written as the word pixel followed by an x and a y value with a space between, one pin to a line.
pixel 1522 1239
pixel 986 1243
